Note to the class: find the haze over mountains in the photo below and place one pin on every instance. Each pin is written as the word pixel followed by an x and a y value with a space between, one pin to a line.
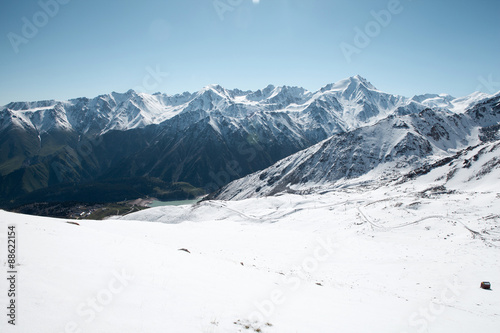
pixel 50 150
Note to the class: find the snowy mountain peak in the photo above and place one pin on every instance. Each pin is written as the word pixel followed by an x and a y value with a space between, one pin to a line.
pixel 351 84
pixel 269 87
pixel 261 94
pixel 23 106
pixel 215 87
pixel 286 95
pixel 364 81
pixel 216 91
pixel 424 97
pixel 122 97
pixel 460 105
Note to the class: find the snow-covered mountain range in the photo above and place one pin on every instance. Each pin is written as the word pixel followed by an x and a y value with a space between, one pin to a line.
pixel 216 135
pixel 342 106
pixel 394 145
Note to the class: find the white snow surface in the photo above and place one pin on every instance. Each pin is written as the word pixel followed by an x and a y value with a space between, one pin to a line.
pixel 393 258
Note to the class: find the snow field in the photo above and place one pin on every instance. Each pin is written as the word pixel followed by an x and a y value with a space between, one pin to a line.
pixel 352 260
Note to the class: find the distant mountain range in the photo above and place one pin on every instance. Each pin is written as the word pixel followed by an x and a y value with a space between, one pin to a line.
pixel 50 150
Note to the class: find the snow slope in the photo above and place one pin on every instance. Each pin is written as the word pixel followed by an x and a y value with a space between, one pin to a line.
pixel 392 146
pixel 398 258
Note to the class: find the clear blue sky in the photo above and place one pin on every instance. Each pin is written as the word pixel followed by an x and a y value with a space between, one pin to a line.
pixel 94 47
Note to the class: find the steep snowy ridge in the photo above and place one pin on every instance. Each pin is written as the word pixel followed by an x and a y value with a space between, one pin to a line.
pixel 442 101
pixel 361 101
pixel 475 168
pixel 395 144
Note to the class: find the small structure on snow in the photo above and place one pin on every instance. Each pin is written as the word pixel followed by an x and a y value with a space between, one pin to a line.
pixel 485 285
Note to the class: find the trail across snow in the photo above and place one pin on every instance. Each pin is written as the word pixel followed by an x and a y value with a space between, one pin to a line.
pixel 350 260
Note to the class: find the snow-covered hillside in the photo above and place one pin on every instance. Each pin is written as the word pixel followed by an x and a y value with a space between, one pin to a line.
pixel 405 257
pixel 391 148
